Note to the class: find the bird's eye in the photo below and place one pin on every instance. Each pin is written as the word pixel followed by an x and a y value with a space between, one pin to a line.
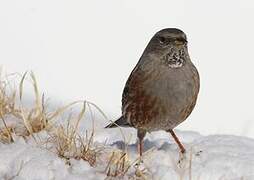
pixel 162 40
pixel 180 41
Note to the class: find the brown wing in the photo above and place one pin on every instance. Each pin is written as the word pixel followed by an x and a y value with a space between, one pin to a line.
pixel 131 86
pixel 138 107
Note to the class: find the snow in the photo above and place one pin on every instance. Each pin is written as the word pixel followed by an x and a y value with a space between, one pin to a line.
pixel 208 157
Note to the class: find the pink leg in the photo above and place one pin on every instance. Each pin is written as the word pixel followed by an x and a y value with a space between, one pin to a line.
pixel 182 149
pixel 141 135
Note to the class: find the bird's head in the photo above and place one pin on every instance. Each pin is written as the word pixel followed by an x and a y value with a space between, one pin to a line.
pixel 170 46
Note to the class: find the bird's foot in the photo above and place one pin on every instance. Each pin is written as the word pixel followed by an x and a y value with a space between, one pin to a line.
pixel 141 170
pixel 139 161
pixel 182 157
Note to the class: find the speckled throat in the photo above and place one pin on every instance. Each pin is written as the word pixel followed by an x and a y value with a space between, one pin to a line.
pixel 175 58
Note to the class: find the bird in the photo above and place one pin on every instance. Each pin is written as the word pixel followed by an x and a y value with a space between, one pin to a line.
pixel 162 89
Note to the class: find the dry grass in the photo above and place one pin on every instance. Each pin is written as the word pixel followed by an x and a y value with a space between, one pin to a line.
pixel 118 164
pixel 121 165
pixel 32 120
pixel 68 144
pixel 29 120
pixel 7 107
pixel 63 139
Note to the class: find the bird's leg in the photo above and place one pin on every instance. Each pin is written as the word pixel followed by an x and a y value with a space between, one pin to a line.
pixel 182 149
pixel 141 135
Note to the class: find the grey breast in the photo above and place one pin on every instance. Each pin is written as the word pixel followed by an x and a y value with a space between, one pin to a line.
pixel 176 91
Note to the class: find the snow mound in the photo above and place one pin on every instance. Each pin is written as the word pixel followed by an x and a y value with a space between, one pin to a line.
pixel 208 157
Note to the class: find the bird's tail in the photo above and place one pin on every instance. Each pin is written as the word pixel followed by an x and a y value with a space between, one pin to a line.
pixel 119 122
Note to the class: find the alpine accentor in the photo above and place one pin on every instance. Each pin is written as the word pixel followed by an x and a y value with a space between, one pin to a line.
pixel 162 89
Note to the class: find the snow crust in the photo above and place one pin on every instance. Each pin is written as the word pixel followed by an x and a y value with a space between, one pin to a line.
pixel 212 157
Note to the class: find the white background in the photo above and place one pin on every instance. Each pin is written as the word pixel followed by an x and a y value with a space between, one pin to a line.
pixel 87 49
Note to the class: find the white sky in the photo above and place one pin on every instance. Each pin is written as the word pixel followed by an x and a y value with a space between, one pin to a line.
pixel 87 49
